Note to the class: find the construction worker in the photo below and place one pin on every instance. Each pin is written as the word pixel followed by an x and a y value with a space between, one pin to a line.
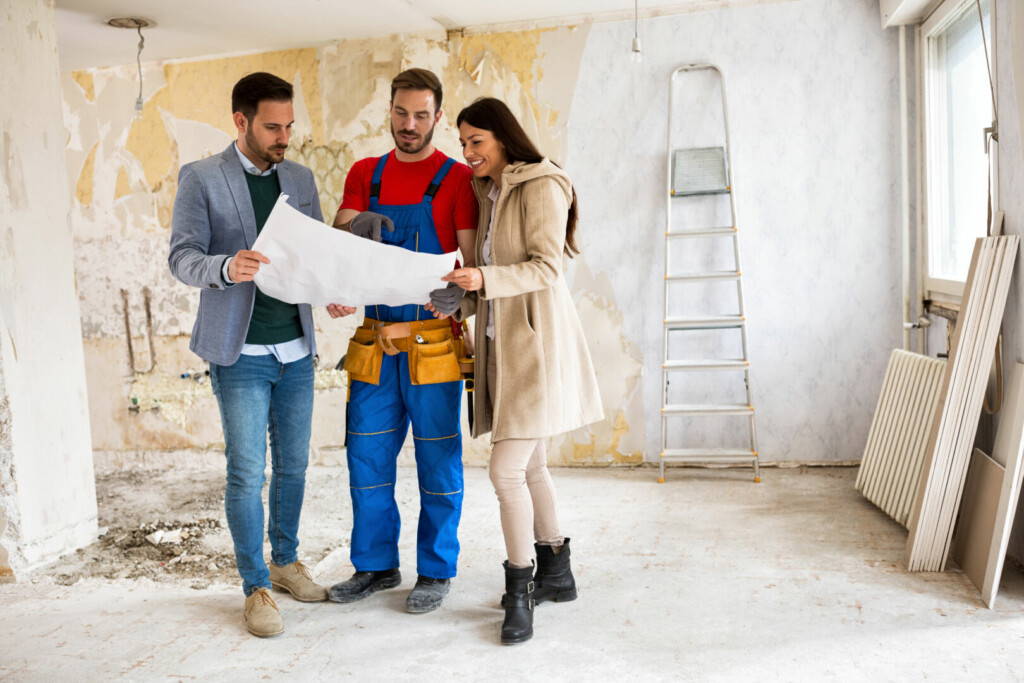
pixel 402 362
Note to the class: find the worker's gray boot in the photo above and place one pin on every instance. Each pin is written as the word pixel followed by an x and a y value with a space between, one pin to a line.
pixel 554 580
pixel 364 584
pixel 427 595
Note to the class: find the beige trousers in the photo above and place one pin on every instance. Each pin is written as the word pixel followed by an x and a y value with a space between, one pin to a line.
pixel 526 493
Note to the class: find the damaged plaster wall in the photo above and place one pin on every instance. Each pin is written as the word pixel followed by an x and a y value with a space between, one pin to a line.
pixel 122 171
pixel 47 488
pixel 813 94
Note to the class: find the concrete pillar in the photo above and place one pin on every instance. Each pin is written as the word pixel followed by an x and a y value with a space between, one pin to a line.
pixel 47 486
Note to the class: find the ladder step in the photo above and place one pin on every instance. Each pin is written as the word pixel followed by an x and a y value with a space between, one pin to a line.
pixel 724 364
pixel 705 232
pixel 700 193
pixel 705 454
pixel 696 277
pixel 708 409
pixel 705 323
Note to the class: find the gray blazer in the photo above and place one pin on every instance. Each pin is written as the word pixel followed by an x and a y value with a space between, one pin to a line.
pixel 213 219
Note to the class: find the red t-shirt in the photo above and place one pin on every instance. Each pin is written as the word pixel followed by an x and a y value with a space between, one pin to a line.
pixel 454 205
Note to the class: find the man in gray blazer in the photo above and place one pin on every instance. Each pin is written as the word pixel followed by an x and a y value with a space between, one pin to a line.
pixel 260 349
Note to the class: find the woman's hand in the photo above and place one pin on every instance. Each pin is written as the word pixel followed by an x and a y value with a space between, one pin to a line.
pixel 470 279
pixel 339 311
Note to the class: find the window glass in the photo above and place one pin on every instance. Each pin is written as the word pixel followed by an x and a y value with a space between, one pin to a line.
pixel 961 110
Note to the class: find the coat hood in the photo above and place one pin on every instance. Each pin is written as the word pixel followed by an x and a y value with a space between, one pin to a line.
pixel 519 172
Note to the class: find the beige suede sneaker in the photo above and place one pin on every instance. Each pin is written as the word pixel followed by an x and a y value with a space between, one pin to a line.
pixel 262 617
pixel 296 579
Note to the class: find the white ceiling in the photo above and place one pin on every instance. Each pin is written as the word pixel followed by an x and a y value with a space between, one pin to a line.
pixel 196 28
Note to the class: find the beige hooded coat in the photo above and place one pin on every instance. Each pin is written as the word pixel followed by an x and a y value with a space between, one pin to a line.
pixel 545 380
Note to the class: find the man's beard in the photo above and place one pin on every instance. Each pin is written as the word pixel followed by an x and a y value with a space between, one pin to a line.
pixel 264 153
pixel 414 147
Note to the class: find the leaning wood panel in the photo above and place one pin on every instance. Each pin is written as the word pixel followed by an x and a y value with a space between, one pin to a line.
pixel 941 480
pixel 1008 451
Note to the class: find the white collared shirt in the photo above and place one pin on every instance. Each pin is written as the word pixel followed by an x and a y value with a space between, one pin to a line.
pixel 285 352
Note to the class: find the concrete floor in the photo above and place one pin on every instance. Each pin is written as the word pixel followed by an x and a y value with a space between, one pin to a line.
pixel 708 577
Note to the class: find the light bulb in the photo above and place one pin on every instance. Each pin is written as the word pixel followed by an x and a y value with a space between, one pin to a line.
pixel 636 54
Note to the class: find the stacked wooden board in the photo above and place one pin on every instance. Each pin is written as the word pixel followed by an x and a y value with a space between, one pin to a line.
pixel 891 465
pixel 990 497
pixel 951 441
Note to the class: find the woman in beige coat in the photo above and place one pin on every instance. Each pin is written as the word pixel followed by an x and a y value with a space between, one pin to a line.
pixel 534 378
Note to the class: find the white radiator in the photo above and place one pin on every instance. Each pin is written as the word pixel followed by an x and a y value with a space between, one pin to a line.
pixel 891 466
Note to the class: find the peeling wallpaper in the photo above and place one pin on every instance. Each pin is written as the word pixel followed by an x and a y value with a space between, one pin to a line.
pixel 813 94
pixel 123 169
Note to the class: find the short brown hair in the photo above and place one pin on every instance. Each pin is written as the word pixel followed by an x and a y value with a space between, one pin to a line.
pixel 418 79
pixel 256 87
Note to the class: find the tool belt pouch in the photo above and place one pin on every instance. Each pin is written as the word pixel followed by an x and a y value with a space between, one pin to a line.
pixel 364 357
pixel 466 362
pixel 433 363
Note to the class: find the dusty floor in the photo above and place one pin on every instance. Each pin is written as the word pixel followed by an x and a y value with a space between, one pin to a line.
pixel 708 577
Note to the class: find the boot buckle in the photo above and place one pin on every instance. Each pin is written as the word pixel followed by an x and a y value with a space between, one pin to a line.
pixel 529 587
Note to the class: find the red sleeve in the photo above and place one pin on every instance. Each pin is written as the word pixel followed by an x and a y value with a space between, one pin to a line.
pixel 357 187
pixel 466 208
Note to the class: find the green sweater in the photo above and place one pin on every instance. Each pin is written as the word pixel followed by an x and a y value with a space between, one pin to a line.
pixel 273 321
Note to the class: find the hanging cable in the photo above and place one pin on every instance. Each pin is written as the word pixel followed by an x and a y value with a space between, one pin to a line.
pixel 636 53
pixel 988 67
pixel 138 62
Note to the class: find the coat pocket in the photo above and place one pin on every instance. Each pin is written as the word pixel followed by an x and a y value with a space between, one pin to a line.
pixel 434 363
pixel 364 357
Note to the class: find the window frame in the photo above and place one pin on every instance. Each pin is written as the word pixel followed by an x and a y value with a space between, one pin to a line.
pixel 934 168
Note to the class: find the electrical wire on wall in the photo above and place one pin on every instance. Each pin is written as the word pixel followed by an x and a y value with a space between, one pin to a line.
pixel 994 218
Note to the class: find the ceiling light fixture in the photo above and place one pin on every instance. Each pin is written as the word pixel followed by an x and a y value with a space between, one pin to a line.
pixel 636 54
pixel 137 24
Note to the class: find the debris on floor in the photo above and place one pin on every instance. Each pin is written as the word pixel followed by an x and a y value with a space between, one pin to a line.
pixel 167 524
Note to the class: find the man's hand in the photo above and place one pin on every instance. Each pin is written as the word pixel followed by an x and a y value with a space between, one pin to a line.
pixel 339 311
pixel 245 264
pixel 444 302
pixel 469 279
pixel 369 225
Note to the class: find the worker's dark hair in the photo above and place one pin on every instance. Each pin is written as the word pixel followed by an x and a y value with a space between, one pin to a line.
pixel 418 79
pixel 256 87
pixel 490 113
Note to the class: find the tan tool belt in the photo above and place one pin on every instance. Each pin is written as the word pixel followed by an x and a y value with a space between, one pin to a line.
pixel 435 355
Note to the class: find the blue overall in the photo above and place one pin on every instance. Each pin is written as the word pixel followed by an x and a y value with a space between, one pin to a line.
pixel 379 416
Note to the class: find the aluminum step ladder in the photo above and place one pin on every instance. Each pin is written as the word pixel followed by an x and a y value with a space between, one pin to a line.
pixel 701 172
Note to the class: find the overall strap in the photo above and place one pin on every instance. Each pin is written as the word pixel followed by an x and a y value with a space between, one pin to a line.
pixel 435 184
pixel 378 173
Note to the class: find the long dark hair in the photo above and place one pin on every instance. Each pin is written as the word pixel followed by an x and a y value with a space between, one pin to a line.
pixel 491 114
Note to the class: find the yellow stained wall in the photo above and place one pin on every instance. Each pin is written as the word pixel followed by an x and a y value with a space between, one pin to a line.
pixel 123 170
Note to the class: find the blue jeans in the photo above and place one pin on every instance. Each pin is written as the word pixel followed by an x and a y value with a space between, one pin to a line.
pixel 256 395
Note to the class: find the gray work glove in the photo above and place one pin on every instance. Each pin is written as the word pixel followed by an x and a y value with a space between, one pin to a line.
pixel 368 225
pixel 447 300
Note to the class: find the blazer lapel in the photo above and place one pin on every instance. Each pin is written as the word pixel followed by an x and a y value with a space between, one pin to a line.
pixel 287 182
pixel 235 175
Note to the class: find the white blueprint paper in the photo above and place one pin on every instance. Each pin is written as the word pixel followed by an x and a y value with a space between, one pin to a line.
pixel 311 263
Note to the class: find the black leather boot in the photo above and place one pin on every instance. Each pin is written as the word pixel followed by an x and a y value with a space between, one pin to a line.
pixel 554 580
pixel 518 604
